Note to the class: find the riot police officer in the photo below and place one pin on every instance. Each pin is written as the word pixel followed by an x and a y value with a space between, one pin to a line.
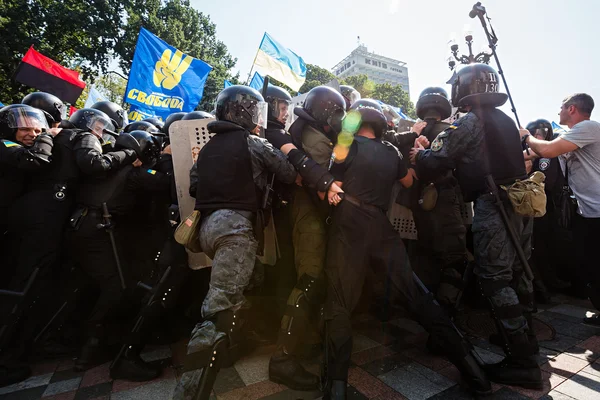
pixel 170 119
pixel 350 95
pixel 157 122
pixel 52 106
pixel 485 145
pixel 231 169
pixel 24 148
pixel 101 225
pixel 309 148
pixel 361 237
pixel 545 229
pixel 436 205
pixel 115 112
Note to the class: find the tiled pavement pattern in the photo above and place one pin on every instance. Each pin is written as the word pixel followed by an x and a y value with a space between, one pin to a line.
pixel 389 362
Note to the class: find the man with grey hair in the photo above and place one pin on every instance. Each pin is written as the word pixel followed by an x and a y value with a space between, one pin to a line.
pixel 582 143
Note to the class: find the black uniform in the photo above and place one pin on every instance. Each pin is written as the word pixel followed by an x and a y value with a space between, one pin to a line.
pixel 548 237
pixel 92 246
pixel 442 233
pixel 15 162
pixel 361 237
pixel 486 142
pixel 49 196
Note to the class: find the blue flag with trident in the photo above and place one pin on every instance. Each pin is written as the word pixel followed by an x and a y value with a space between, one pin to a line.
pixel 162 79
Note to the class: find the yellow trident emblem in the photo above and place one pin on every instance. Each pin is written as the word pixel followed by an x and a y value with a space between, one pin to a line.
pixel 168 70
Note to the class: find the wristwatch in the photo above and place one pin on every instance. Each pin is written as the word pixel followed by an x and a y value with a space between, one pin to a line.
pixel 524 138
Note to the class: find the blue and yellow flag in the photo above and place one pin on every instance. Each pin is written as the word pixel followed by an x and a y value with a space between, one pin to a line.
pixel 162 79
pixel 280 63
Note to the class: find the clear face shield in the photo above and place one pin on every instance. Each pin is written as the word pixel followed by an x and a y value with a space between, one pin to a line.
pixel 541 133
pixel 260 114
pixel 354 96
pixel 27 118
pixel 98 125
pixel 282 110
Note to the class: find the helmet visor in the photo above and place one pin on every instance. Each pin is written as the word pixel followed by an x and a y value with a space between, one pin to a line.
pixel 354 96
pixel 281 110
pixel 98 124
pixel 22 117
pixel 260 114
pixel 335 120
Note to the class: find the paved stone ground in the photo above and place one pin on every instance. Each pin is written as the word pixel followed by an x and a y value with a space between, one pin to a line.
pixel 389 362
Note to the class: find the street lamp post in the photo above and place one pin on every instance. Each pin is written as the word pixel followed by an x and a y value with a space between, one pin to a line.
pixel 482 57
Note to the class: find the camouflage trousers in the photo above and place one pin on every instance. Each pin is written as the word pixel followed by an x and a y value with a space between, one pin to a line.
pixel 499 269
pixel 227 238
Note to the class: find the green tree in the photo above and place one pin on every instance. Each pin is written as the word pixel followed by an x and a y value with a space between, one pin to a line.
pixel 182 26
pixel 395 96
pixel 315 76
pixel 72 32
pixel 362 83
pixel 111 86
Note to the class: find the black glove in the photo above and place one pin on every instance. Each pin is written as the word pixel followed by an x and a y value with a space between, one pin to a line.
pixel 310 171
pixel 42 147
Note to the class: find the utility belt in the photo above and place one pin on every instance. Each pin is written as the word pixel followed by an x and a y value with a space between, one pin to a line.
pixel 360 204
pixel 82 212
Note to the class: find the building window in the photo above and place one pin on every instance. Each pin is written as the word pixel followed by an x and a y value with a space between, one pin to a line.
pixel 384 66
pixel 367 61
pixel 353 62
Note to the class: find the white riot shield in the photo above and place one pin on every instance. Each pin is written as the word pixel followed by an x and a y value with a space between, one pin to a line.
pixel 187 139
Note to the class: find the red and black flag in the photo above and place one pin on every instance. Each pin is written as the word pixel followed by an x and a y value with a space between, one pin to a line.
pixel 45 74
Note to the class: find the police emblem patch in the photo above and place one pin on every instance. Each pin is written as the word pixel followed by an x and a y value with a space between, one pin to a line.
pixel 437 144
pixel 544 164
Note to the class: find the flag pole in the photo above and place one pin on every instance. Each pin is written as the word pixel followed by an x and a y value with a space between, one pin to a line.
pixel 252 68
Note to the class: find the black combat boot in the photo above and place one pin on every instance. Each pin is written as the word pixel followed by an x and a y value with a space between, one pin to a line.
pixel 285 369
pixel 336 391
pixel 13 374
pixel 520 367
pixel 496 338
pixel 131 367
pixel 472 373
pixel 92 354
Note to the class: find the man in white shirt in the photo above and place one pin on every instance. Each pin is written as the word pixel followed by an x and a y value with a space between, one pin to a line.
pixel 582 141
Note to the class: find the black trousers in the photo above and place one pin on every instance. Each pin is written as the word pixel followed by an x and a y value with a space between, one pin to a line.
pixel 360 240
pixel 93 252
pixel 586 235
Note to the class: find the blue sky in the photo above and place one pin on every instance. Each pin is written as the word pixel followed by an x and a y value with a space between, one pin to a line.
pixel 548 48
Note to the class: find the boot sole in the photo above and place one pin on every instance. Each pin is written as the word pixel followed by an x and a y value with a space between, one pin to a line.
pixel 293 387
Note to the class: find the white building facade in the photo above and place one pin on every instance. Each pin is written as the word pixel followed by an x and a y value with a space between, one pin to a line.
pixel 378 68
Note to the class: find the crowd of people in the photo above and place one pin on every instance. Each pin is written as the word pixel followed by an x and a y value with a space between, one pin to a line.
pixel 88 212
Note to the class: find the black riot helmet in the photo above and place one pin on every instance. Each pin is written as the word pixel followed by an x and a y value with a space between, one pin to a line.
pixel 477 85
pixel 196 115
pixel 115 112
pixel 326 106
pixel 17 116
pixel 91 120
pixel 243 106
pixel 157 122
pixel 366 103
pixel 143 143
pixel 279 101
pixel 350 95
pixel 541 127
pixel 434 99
pixel 371 113
pixel 140 126
pixel 178 116
pixel 51 105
